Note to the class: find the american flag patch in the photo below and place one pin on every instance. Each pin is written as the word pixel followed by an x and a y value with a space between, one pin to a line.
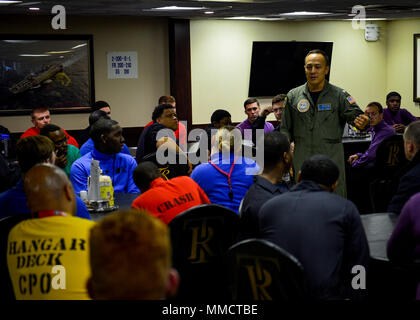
pixel 351 100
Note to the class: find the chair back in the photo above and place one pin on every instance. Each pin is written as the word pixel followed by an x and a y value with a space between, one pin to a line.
pixel 390 156
pixel 169 170
pixel 6 224
pixel 200 237
pixel 260 270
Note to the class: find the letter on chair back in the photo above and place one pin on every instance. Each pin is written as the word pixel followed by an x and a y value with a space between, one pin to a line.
pixel 260 270
pixel 172 169
pixel 390 158
pixel 200 238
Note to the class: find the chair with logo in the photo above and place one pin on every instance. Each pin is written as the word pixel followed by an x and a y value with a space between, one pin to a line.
pixel 260 270
pixel 200 238
pixel 390 158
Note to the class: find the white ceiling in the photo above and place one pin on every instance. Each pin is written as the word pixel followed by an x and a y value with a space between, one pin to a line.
pixel 339 9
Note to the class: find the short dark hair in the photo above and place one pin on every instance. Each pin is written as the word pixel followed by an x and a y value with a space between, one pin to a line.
pixel 33 150
pixel 159 110
pixel 99 105
pixel 279 98
pixel 96 115
pixel 38 110
pixel 144 174
pixel 49 128
pixel 392 94
pixel 412 132
pixel 275 145
pixel 319 51
pixel 320 169
pixel 102 126
pixel 166 100
pixel 249 101
pixel 218 115
pixel 376 104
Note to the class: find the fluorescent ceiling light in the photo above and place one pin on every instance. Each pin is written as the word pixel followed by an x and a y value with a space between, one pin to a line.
pixel 174 8
pixel 20 41
pixel 80 45
pixel 28 4
pixel 34 9
pixel 244 18
pixel 367 19
pixel 302 13
pixel 57 52
pixel 255 18
pixel 208 12
pixel 9 2
pixel 34 55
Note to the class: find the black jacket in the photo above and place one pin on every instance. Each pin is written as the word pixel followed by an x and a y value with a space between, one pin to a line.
pixel 323 231
pixel 408 186
pixel 259 193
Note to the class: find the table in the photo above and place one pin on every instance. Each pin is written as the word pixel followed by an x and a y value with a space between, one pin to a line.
pixel 378 228
pixel 387 280
pixel 123 200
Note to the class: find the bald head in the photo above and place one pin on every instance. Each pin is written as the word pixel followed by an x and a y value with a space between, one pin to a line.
pixel 144 174
pixel 47 187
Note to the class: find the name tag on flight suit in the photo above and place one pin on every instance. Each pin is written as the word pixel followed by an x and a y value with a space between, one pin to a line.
pixel 324 107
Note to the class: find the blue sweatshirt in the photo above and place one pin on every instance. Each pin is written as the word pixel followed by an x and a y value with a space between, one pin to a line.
pixel 13 201
pixel 118 166
pixel 89 145
pixel 215 184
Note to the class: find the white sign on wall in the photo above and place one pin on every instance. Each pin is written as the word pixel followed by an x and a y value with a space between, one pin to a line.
pixel 122 65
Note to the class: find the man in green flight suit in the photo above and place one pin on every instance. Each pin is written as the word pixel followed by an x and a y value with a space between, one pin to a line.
pixel 315 116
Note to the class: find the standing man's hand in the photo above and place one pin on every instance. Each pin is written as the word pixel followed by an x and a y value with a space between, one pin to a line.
pixel 398 127
pixel 265 111
pixel 361 121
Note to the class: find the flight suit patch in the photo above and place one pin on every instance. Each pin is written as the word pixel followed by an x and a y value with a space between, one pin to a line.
pixel 351 100
pixel 303 105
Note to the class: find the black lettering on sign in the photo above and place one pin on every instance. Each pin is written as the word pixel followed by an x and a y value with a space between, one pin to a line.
pixel 82 243
pixel 46 244
pixel 12 248
pixel 32 282
pixel 45 283
pixel 29 283
pixel 73 244
pixel 182 199
pixel 22 279
pixel 61 245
